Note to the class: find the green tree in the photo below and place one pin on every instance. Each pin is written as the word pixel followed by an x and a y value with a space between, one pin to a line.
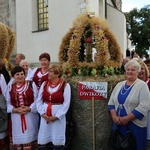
pixel 138 27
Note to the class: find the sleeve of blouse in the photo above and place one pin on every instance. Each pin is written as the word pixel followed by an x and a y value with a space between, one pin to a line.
pixel 8 102
pixel 39 101
pixel 35 94
pixel 31 74
pixel 3 85
pixel 144 100
pixel 65 106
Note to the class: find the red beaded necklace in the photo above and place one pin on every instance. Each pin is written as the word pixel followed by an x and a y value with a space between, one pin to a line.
pixel 20 86
pixel 52 85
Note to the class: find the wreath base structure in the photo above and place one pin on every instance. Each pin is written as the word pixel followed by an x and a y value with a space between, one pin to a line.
pixel 82 110
pixel 77 46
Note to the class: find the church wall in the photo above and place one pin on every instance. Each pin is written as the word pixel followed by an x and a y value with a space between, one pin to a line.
pixel 117 26
pixel 60 20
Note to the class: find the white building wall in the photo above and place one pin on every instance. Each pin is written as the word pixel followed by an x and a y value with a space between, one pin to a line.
pixel 115 18
pixel 117 24
pixel 61 16
pixel 98 6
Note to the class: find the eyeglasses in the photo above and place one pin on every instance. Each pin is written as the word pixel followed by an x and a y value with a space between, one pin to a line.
pixel 51 71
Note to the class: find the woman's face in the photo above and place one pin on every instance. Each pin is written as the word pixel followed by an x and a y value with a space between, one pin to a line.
pixel 25 66
pixel 44 62
pixel 52 74
pixel 19 77
pixel 142 74
pixel 131 73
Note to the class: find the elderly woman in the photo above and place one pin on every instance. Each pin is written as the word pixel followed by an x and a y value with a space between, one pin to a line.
pixel 39 75
pixel 25 65
pixel 129 103
pixel 52 104
pixel 20 97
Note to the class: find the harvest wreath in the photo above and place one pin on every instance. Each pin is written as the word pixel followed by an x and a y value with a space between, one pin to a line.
pixel 7 44
pixel 77 46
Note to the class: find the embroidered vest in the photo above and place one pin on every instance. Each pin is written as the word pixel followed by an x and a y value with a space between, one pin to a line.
pixel 38 81
pixel 56 97
pixel 27 96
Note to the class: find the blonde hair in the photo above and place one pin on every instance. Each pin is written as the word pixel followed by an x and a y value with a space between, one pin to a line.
pixel 145 66
pixel 57 69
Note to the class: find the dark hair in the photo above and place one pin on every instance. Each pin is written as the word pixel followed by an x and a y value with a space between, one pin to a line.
pixel 147 61
pixel 16 70
pixel 45 55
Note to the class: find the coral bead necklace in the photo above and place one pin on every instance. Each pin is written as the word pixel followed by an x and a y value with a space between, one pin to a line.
pixel 53 85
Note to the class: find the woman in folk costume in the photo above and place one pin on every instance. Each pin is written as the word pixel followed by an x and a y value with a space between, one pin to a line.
pixel 39 75
pixel 20 97
pixel 25 65
pixel 52 104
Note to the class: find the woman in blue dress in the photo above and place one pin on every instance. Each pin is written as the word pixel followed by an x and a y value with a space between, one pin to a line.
pixel 129 103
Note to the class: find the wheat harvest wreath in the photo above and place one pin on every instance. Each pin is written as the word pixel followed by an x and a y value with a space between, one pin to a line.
pixel 77 45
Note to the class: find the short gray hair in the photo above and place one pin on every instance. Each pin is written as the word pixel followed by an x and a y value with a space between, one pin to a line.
pixel 23 61
pixel 133 63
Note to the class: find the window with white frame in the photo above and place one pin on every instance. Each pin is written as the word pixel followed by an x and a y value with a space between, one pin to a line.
pixel 42 14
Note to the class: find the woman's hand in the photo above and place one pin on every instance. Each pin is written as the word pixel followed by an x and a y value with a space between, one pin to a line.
pixel 49 118
pixel 126 119
pixel 21 110
pixel 25 109
pixel 115 118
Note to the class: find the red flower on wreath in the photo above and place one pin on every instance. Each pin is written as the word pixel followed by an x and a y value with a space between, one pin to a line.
pixel 97 27
pixel 76 70
pixel 88 40
pixel 103 53
pixel 71 51
pixel 107 39
pixel 74 37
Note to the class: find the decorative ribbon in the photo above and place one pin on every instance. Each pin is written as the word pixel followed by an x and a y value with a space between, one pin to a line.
pixel 23 123
pixel 49 110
